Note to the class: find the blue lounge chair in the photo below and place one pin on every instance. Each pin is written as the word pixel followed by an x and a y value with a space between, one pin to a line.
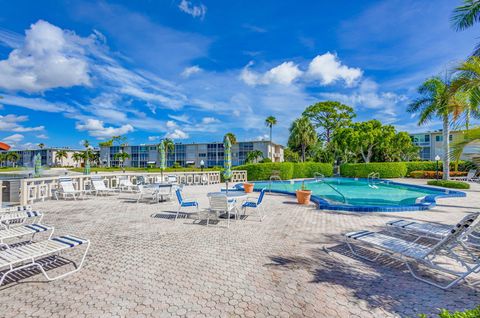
pixel 182 202
pixel 257 205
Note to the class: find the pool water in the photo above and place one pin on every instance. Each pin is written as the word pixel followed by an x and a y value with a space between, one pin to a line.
pixel 361 192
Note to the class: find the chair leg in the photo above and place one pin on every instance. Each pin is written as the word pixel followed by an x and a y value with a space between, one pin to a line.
pixel 178 212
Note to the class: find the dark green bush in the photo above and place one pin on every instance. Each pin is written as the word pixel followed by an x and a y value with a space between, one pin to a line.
pixel 432 165
pixel 288 170
pixel 470 313
pixel 385 169
pixel 449 184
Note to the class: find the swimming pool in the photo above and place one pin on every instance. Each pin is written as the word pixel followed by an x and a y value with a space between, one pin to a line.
pixel 362 195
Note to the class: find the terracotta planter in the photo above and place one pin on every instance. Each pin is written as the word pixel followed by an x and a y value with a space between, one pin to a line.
pixel 303 196
pixel 248 187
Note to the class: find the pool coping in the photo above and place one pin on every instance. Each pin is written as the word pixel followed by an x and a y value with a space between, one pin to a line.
pixel 428 202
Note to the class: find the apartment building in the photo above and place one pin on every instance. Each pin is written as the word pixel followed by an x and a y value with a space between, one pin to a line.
pixel 212 154
pixel 49 157
pixel 431 144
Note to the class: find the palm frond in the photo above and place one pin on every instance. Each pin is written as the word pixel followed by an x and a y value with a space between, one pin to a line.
pixel 458 147
pixel 466 15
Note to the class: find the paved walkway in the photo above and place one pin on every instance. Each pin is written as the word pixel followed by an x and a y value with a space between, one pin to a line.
pixel 293 264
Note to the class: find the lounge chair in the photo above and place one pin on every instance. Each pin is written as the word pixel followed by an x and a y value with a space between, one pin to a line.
pixel 25 256
pixel 433 257
pixel 433 230
pixel 16 208
pixel 221 204
pixel 66 189
pixel 256 204
pixel 12 219
pixel 28 229
pixel 172 179
pixel 99 187
pixel 147 192
pixel 124 184
pixel 184 203
pixel 471 176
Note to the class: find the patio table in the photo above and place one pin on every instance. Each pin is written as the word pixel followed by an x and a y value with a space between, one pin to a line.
pixel 231 195
pixel 157 186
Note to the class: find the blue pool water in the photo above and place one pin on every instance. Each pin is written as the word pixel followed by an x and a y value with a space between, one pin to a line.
pixel 363 195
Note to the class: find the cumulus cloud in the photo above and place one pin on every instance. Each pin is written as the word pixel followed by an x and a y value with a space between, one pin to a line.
pixel 153 138
pixel 196 11
pixel 42 136
pixel 327 68
pixel 177 134
pixel 12 123
pixel 13 140
pixel 96 128
pixel 189 71
pixel 49 57
pixel 283 74
pixel 209 120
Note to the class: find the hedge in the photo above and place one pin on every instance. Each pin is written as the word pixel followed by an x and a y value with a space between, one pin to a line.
pixel 288 170
pixel 385 169
pixel 432 166
pixel 433 174
pixel 449 184
pixel 469 313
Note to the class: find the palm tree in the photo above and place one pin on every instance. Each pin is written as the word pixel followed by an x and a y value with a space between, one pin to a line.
pixel 169 146
pixel 465 16
pixel 41 145
pixel 3 157
pixel 122 157
pixel 302 135
pixel 253 156
pixel 437 100
pixel 468 79
pixel 60 155
pixel 13 157
pixel 77 157
pixel 270 121
pixel 232 137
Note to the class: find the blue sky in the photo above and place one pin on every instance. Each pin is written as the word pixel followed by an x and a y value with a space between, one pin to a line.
pixel 194 70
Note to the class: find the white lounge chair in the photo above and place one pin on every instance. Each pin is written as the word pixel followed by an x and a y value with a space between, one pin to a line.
pixel 172 179
pixel 124 184
pixel 99 187
pixel 16 208
pixel 145 192
pixel 66 189
pixel 433 230
pixel 12 219
pixel 17 232
pixel 471 176
pixel 432 257
pixel 25 256
pixel 221 204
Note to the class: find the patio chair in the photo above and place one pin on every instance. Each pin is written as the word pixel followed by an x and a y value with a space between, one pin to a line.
pixel 17 232
pixel 12 219
pixel 145 192
pixel 172 179
pixel 124 184
pixel 164 192
pixel 184 203
pixel 66 189
pixel 16 208
pixel 433 257
pixel 471 176
pixel 99 187
pixel 256 204
pixel 26 256
pixel 219 204
pixel 433 230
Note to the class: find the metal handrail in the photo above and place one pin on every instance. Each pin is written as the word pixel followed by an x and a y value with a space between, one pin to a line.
pixel 334 189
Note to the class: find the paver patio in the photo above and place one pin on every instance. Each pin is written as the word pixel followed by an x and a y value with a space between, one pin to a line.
pixel 293 264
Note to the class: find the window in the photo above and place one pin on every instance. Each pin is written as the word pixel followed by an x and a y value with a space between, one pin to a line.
pixel 450 137
pixel 427 138
pixel 438 138
pixel 202 155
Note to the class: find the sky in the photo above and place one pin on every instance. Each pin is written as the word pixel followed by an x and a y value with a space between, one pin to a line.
pixel 193 70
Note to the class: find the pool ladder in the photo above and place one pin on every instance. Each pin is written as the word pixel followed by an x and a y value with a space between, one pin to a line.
pixel 373 178
pixel 319 178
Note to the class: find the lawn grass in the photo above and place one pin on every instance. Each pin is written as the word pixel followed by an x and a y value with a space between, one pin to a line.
pixel 131 169
pixel 449 184
pixel 8 169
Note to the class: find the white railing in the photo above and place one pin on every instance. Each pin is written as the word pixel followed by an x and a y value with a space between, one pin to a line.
pixel 40 189
pixel 1 192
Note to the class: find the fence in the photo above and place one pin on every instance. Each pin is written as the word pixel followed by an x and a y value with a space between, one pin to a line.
pixel 40 189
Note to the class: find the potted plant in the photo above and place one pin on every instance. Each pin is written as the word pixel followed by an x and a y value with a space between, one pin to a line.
pixel 303 194
pixel 248 187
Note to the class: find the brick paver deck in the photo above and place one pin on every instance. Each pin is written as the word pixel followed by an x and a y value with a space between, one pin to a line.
pixel 293 264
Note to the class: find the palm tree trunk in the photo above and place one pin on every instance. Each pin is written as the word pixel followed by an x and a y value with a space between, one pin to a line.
pixel 271 140
pixel 446 148
pixel 303 153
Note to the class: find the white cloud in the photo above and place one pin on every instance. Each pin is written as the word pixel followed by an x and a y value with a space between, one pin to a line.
pixel 97 129
pixel 11 123
pixel 171 124
pixel 42 136
pixel 182 118
pixel 48 58
pixel 177 134
pixel 189 71
pixel 39 104
pixel 262 137
pixel 284 74
pixel 153 138
pixel 327 68
pixel 196 11
pixel 13 139
pixel 209 120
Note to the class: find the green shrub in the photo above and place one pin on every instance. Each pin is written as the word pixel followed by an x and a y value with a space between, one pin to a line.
pixel 265 160
pixel 385 169
pixel 432 165
pixel 288 170
pixel 433 174
pixel 470 313
pixel 449 184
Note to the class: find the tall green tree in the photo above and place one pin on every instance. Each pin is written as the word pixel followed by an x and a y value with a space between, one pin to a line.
pixel 60 155
pixel 41 145
pixel 77 157
pixel 435 101
pixel 13 157
pixel 169 146
pixel 290 156
pixel 270 121
pixel 329 116
pixel 302 135
pixel 254 156
pixel 465 16
pixel 468 83
pixel 107 143
pixel 232 137
pixel 122 157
